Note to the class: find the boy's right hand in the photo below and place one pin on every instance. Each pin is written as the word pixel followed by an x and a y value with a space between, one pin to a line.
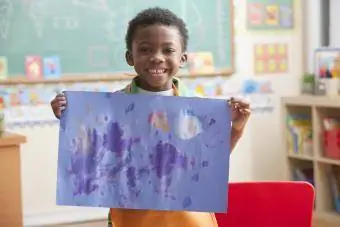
pixel 58 104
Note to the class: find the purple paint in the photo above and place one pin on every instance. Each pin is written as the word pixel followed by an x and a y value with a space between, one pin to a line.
pixel 93 137
pixel 113 140
pixel 131 142
pixel 192 162
pixel 196 177
pixel 85 186
pixel 131 177
pixel 130 108
pixel 205 164
pixel 143 171
pixel 187 202
pixel 183 162
pixel 212 121
pixel 164 158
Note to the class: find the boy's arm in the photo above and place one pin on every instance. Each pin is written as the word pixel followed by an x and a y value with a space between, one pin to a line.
pixel 235 137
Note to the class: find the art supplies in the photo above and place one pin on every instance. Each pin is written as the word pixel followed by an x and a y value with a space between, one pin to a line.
pixel 327 71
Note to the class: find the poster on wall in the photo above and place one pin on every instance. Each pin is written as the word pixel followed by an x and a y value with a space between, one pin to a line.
pixel 271 58
pixel 27 106
pixel 270 15
pixel 260 95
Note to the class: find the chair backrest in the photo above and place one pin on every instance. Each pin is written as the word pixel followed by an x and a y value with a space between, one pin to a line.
pixel 268 204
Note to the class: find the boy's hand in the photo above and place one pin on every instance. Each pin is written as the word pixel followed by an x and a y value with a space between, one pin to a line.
pixel 58 104
pixel 240 113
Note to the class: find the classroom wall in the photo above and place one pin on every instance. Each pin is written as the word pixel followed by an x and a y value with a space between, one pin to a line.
pixel 255 158
pixel 265 129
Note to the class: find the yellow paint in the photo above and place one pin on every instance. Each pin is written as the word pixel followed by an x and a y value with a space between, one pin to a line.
pixel 200 89
pixel 259 66
pixel 272 66
pixel 283 66
pixel 259 50
pixel 272 14
pixel 271 49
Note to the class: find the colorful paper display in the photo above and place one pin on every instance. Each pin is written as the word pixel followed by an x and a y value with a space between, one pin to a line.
pixel 271 58
pixel 268 14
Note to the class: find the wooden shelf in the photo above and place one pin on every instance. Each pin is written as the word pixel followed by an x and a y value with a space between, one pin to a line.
pixel 316 107
pixel 329 161
pixel 312 101
pixel 301 157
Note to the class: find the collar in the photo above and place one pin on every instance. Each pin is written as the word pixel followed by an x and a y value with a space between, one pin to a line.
pixel 177 86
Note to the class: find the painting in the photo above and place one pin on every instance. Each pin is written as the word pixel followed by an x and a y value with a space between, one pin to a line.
pixel 327 62
pixel 52 68
pixel 201 62
pixel 33 67
pixel 270 15
pixel 271 58
pixel 140 151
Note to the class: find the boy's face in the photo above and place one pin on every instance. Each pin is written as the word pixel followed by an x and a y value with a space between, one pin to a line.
pixel 156 56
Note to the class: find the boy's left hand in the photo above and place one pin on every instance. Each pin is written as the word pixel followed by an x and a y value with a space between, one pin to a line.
pixel 240 113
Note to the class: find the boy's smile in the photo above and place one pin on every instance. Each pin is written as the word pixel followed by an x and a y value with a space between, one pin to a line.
pixel 156 55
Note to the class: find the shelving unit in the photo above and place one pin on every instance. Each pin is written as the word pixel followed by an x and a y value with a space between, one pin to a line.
pixel 312 162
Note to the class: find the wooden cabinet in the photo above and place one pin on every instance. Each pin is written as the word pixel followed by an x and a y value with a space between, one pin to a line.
pixel 10 180
pixel 305 148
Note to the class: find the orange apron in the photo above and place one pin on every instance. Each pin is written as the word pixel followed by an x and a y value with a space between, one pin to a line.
pixel 146 218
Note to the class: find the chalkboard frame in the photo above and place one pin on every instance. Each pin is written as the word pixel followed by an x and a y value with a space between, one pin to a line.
pixel 68 78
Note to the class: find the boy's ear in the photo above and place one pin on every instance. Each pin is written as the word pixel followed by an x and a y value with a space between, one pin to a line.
pixel 128 58
pixel 184 59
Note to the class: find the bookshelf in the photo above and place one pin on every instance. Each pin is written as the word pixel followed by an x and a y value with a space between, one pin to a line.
pixel 307 150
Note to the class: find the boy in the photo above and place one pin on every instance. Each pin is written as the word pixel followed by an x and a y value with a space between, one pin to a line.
pixel 156 42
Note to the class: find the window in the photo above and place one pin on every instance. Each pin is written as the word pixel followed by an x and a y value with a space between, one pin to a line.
pixel 318 17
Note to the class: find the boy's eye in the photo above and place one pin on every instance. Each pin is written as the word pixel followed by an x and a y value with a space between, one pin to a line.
pixel 144 49
pixel 169 50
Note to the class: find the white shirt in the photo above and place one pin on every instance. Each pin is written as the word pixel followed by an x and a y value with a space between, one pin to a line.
pixel 164 93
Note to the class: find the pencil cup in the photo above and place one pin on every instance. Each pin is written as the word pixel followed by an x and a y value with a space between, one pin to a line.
pixel 332 86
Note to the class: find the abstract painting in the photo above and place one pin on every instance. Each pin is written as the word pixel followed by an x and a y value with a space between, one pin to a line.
pixel 144 152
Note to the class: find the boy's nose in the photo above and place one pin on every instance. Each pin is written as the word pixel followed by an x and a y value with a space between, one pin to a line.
pixel 157 58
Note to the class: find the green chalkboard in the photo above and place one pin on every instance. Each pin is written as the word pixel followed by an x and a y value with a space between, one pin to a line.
pixel 88 35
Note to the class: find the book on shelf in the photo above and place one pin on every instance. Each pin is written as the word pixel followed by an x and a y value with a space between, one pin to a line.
pixel 300 134
pixel 334 178
pixel 306 174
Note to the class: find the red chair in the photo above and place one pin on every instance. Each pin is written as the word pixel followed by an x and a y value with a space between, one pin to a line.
pixel 269 204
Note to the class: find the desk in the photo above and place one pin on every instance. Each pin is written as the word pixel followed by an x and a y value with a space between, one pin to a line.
pixel 10 180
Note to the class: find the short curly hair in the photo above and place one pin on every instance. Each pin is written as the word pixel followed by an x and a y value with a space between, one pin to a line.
pixel 156 15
